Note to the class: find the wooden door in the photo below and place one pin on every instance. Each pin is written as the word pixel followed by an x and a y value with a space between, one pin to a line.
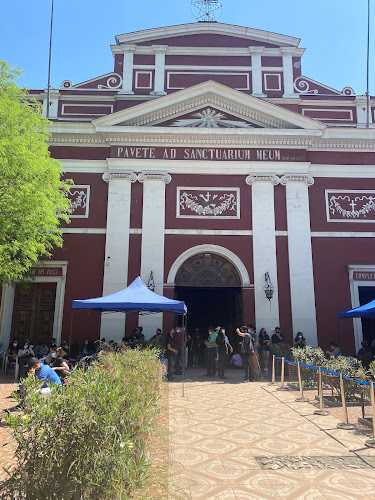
pixel 34 312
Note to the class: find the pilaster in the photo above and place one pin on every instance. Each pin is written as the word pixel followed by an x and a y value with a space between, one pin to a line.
pixel 287 54
pixel 152 250
pixel 128 69
pixel 256 71
pixel 160 51
pixel 300 256
pixel 264 248
pixel 116 247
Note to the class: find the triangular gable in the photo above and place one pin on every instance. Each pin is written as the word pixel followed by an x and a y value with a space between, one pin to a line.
pixel 207 95
pixel 176 33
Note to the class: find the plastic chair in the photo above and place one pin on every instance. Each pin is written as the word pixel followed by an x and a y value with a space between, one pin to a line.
pixel 16 367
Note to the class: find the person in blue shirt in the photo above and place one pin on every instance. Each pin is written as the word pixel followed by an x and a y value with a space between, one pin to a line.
pixel 43 372
pixel 335 351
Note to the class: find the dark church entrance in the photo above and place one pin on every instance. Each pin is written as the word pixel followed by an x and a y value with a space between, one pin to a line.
pixel 366 295
pixel 211 288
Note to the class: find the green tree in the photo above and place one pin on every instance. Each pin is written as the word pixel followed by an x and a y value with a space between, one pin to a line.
pixel 32 193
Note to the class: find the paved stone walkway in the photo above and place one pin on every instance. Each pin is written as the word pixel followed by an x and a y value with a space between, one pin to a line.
pixel 233 441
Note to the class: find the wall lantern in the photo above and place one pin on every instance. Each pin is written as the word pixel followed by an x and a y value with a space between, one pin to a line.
pixel 268 287
pixel 151 282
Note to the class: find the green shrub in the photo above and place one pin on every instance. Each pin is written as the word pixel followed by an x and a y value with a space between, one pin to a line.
pixel 313 356
pixel 351 368
pixel 282 350
pixel 89 439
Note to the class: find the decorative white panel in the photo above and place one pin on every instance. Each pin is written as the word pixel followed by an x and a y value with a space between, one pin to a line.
pixel 79 195
pixel 208 203
pixel 350 205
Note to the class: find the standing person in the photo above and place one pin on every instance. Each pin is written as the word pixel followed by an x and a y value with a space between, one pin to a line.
pixel 223 347
pixel 247 350
pixel 254 360
pixel 277 337
pixel 264 344
pixel 195 346
pixel 211 352
pixel 179 338
pixel 171 352
pixel 300 341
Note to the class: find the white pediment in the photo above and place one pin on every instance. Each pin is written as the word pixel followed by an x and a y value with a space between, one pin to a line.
pixel 249 110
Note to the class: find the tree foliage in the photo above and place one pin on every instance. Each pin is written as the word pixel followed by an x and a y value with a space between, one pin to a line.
pixel 32 194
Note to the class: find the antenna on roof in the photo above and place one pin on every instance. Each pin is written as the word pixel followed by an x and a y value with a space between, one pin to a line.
pixel 206 10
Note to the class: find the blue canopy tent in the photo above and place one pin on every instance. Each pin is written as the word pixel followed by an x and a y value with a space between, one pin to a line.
pixel 365 311
pixel 135 298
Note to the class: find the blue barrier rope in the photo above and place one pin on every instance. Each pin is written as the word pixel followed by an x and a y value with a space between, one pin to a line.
pixel 316 368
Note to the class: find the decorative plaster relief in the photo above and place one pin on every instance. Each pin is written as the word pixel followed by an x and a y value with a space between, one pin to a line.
pixel 210 118
pixel 208 203
pixel 350 205
pixel 79 197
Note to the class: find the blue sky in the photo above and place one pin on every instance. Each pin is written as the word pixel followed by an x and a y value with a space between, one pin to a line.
pixel 333 32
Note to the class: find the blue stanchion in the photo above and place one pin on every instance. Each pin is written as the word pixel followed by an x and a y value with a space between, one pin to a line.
pixel 316 368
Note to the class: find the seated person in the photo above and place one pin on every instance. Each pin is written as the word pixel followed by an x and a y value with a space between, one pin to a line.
pixel 41 350
pixel 24 354
pixel 12 351
pixel 300 341
pixel 59 365
pixel 365 354
pixel 335 351
pixel 43 373
pixel 50 356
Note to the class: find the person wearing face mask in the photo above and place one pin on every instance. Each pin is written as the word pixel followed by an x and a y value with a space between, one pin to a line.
pixel 12 351
pixel 49 358
pixel 23 355
pixel 300 341
pixel 59 364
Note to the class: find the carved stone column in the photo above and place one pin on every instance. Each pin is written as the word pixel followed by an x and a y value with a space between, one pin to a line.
pixel 287 53
pixel 160 51
pixel 264 248
pixel 153 228
pixel 300 255
pixel 128 69
pixel 256 71
pixel 116 247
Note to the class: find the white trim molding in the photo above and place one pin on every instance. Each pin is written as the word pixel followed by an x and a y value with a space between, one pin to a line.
pixel 354 294
pixel 208 248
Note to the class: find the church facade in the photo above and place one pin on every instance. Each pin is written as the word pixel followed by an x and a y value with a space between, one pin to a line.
pixel 208 164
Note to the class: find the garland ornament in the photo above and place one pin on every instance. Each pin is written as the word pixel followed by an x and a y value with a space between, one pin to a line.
pixel 367 207
pixel 209 207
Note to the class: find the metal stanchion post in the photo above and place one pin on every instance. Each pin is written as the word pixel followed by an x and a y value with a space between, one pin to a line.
pixel 282 388
pixel 345 424
pixel 371 442
pixel 321 410
pixel 273 380
pixel 301 399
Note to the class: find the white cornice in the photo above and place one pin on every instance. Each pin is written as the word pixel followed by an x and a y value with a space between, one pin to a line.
pixel 213 28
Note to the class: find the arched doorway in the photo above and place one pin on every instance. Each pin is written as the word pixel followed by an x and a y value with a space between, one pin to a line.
pixel 211 287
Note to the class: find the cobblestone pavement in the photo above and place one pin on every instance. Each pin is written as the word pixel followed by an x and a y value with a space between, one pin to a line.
pixel 7 447
pixel 233 441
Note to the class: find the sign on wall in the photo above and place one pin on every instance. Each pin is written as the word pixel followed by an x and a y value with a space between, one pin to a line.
pixel 207 154
pixel 208 203
pixel 350 205
pixel 79 197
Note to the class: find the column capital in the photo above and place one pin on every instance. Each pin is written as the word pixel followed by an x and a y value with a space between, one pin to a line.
pixel 130 176
pixel 287 51
pixel 160 49
pixel 256 50
pixel 307 179
pixel 129 47
pixel 160 176
pixel 251 179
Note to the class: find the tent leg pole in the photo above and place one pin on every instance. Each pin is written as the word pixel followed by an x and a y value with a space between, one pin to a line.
pixel 184 354
pixel 71 329
pixel 338 332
